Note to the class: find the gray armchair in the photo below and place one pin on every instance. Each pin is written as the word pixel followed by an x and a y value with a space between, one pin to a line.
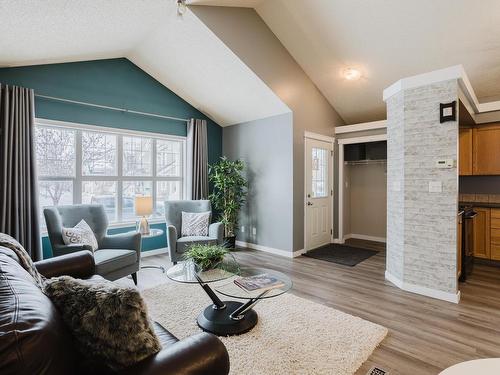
pixel 117 255
pixel 173 215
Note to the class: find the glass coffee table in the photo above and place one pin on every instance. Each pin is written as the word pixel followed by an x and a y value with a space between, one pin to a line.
pixel 226 318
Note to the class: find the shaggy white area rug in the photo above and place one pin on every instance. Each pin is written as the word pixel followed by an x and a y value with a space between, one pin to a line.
pixel 293 335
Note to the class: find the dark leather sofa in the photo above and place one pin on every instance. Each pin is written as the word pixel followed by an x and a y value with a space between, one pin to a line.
pixel 34 339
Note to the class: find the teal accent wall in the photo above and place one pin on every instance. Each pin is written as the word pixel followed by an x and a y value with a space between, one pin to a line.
pixel 114 83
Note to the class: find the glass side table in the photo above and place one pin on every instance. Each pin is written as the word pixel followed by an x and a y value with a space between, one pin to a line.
pixel 153 232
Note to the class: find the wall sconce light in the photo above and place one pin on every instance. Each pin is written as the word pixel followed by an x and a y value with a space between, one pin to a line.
pixel 447 112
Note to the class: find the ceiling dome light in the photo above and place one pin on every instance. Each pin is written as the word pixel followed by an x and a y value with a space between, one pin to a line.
pixel 181 7
pixel 351 74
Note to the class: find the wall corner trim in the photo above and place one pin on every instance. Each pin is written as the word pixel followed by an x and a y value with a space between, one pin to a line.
pixel 440 75
pixel 422 290
pixel 271 250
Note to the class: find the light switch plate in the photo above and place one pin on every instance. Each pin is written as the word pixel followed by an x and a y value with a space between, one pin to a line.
pixel 445 163
pixel 435 187
pixel 396 186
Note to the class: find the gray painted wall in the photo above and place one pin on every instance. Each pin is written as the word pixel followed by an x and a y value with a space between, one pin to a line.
pixel 266 146
pixel 248 36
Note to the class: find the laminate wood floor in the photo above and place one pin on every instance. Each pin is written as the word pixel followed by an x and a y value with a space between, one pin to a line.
pixel 425 335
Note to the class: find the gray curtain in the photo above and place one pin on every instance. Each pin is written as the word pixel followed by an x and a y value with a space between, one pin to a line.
pixel 18 184
pixel 197 149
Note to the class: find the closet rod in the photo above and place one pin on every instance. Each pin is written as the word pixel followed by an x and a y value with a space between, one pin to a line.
pixel 111 108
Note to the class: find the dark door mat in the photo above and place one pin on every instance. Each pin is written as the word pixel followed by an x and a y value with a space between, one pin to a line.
pixel 341 254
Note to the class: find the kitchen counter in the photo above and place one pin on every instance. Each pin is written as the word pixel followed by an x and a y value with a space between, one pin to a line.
pixel 480 204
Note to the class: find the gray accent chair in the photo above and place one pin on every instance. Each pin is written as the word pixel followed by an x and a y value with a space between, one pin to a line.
pixel 117 255
pixel 178 245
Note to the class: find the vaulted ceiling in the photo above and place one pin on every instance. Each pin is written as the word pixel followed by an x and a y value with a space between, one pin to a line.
pixel 180 52
pixel 386 40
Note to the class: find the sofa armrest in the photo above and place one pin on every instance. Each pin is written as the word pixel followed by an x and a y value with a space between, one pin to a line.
pixel 216 230
pixel 59 250
pixel 172 240
pixel 199 354
pixel 80 265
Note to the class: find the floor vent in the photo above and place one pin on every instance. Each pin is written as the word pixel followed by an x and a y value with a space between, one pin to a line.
pixel 377 371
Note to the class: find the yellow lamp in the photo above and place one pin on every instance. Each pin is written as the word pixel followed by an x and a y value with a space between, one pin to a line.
pixel 143 207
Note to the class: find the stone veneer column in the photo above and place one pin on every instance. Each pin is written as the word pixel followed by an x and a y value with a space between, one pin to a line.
pixel 421 225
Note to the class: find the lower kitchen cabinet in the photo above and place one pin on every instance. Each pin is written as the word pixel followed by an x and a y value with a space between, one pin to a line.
pixel 495 234
pixel 481 236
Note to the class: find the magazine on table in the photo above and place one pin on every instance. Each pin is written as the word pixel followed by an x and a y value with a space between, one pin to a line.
pixel 260 282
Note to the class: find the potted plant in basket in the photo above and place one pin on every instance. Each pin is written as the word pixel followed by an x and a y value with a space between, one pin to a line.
pixel 206 257
pixel 229 192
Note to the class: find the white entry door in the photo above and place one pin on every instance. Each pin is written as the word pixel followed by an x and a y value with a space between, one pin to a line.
pixel 319 193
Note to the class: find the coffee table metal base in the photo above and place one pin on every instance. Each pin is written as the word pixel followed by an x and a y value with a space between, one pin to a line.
pixel 219 322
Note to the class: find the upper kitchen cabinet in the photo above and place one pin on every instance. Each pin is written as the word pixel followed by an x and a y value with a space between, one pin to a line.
pixel 486 150
pixel 465 151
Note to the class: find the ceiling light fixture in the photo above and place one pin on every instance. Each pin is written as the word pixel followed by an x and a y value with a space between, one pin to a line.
pixel 181 7
pixel 351 74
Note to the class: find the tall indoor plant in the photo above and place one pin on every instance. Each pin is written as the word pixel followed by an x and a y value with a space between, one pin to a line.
pixel 229 192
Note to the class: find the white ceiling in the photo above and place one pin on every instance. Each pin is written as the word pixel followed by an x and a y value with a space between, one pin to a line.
pixel 387 40
pixel 180 52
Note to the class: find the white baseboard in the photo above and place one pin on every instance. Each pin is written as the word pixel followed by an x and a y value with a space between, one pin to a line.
pixel 338 240
pixel 149 253
pixel 364 237
pixel 271 250
pixel 428 292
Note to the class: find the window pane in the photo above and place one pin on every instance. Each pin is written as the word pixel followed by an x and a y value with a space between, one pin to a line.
pixel 101 192
pixel 319 172
pixel 54 193
pixel 130 190
pixel 137 156
pixel 98 154
pixel 55 151
pixel 168 158
pixel 166 190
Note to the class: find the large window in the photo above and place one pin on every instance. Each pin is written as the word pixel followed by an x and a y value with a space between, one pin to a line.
pixel 83 164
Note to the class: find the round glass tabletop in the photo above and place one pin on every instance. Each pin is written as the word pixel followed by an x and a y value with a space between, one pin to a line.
pixel 188 271
pixel 231 289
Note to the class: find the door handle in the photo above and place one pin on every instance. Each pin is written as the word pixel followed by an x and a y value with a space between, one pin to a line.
pixel 309 204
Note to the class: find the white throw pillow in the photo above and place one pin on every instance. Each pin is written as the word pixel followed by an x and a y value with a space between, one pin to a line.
pixel 80 234
pixel 195 223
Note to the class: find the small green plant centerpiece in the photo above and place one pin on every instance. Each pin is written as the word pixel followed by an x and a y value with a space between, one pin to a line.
pixel 228 195
pixel 206 257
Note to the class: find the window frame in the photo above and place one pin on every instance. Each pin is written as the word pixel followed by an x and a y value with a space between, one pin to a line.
pixel 119 178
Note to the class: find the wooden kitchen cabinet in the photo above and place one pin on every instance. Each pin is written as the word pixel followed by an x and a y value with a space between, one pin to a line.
pixel 481 235
pixel 465 151
pixel 486 150
pixel 495 234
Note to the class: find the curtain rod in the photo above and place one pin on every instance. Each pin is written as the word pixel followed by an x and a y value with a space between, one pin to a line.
pixel 111 108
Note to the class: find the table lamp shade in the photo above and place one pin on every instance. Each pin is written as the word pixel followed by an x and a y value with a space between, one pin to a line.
pixel 143 206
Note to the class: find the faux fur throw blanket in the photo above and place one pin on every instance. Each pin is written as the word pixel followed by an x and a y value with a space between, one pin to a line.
pixel 24 258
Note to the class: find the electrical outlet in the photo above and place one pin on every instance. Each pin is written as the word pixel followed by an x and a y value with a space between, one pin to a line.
pixel 254 231
pixel 242 229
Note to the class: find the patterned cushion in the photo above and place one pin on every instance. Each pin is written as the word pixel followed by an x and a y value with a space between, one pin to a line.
pixel 80 234
pixel 195 223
